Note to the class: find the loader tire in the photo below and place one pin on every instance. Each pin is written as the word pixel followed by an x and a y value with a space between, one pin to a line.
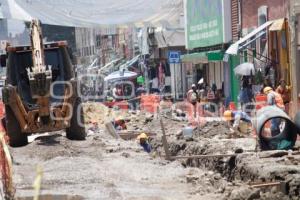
pixel 13 129
pixel 76 131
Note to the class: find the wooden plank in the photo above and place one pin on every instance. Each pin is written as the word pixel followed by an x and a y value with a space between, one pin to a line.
pixel 130 136
pixel 208 156
pixel 112 131
pixel 265 184
pixel 164 141
pixel 136 132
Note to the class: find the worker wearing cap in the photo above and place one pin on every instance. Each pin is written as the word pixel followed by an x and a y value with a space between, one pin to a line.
pixel 274 99
pixel 239 120
pixel 143 141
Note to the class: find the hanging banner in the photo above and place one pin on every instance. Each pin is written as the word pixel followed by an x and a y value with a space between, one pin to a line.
pixel 205 22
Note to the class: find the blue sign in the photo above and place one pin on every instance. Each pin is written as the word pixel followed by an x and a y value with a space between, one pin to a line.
pixel 174 56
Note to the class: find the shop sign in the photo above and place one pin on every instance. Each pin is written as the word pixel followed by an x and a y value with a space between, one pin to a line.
pixel 204 23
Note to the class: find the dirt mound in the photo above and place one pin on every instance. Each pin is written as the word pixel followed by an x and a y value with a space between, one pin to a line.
pixel 97 112
pixel 216 129
pixel 212 129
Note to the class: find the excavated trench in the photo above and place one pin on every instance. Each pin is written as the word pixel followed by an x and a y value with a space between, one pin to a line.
pixel 238 171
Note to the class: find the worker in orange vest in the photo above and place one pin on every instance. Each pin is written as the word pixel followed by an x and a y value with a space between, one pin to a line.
pixel 285 92
pixel 274 99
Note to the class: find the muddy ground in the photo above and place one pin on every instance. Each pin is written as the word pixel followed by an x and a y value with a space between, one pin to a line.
pixel 105 168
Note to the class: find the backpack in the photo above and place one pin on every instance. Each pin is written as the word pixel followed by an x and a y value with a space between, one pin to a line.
pixel 193 97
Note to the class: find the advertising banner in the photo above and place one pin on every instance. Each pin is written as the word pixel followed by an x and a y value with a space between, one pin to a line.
pixel 204 23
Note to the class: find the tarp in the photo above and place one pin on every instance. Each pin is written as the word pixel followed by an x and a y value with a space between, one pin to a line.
pixel 84 13
pixel 169 38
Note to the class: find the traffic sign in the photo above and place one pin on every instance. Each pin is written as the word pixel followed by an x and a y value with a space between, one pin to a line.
pixel 174 56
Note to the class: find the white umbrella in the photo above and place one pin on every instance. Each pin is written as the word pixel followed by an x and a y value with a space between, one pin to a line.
pixel 244 69
pixel 201 81
pixel 120 75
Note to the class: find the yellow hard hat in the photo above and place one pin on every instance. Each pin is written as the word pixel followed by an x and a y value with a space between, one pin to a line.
pixel 267 89
pixel 227 115
pixel 142 136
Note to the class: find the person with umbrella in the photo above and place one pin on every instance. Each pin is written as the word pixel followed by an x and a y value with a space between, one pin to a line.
pixel 246 95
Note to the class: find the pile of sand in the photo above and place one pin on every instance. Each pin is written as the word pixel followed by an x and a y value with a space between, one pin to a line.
pixel 99 113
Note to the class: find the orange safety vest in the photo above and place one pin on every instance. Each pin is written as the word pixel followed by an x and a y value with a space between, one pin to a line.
pixel 278 100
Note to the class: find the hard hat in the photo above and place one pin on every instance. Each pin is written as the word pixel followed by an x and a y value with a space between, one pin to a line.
pixel 142 136
pixel 227 115
pixel 193 85
pixel 267 89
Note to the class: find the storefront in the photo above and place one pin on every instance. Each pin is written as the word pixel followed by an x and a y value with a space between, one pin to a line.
pixel 268 49
pixel 208 29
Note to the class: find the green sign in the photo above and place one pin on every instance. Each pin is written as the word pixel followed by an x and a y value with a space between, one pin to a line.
pixel 204 25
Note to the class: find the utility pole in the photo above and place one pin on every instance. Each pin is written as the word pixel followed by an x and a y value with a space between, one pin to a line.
pixel 293 56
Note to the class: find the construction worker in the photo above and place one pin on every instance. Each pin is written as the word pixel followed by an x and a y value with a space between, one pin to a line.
pixel 285 93
pixel 239 120
pixel 119 123
pixel 143 141
pixel 274 99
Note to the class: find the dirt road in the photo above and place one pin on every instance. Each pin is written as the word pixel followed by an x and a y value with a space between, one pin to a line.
pixel 100 168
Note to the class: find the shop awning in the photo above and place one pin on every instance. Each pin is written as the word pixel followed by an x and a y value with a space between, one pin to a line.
pixel 256 33
pixel 215 55
pixel 277 25
pixel 195 58
pixel 203 57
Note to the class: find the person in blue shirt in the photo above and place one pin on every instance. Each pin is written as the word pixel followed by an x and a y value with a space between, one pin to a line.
pixel 239 120
pixel 143 141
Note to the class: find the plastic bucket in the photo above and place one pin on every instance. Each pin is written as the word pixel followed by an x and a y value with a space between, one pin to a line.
pixel 187 132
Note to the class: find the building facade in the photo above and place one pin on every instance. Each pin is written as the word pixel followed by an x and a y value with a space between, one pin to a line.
pixel 208 33
pixel 272 48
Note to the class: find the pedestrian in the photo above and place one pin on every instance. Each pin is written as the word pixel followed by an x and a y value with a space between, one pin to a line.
pixel 144 142
pixel 285 93
pixel 238 120
pixel 274 99
pixel 201 89
pixel 246 95
pixel 192 97
pixel 138 93
pixel 211 97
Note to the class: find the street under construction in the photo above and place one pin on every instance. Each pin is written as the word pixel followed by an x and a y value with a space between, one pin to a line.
pixel 185 99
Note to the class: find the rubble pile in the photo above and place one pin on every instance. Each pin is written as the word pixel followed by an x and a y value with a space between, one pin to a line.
pixel 230 176
pixel 212 129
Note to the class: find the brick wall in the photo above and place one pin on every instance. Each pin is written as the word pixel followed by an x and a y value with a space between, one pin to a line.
pixel 276 9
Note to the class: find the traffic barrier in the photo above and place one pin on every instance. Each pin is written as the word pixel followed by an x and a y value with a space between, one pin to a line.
pixel 261 101
pixel 150 103
pixel 2 115
pixel 232 106
pixel 5 168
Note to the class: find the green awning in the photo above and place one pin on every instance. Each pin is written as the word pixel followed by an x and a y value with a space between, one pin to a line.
pixel 194 58
pixel 203 57
pixel 215 55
